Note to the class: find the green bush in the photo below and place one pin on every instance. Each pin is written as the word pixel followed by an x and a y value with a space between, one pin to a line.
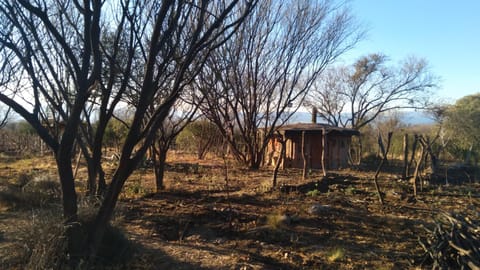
pixel 200 137
pixel 313 193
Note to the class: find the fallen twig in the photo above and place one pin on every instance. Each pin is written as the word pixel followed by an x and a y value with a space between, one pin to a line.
pixel 453 243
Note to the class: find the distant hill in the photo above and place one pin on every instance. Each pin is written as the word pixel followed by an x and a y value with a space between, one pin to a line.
pixel 409 118
pixel 416 118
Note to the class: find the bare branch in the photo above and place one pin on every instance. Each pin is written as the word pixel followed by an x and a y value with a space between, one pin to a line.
pixel 354 96
pixel 260 77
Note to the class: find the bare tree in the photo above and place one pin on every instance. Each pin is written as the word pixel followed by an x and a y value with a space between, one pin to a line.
pixel 68 73
pixel 7 78
pixel 4 116
pixel 182 113
pixel 355 95
pixel 259 78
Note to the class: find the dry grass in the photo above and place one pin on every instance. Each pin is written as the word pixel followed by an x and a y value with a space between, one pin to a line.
pixel 335 255
pixel 198 223
pixel 30 192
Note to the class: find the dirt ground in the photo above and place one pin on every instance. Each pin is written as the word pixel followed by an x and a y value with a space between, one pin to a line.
pixel 217 216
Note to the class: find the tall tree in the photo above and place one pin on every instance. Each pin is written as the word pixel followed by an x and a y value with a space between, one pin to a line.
pixel 68 71
pixel 260 76
pixel 356 95
pixel 462 126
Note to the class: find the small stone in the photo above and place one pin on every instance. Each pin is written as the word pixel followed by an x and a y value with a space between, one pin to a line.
pixel 317 209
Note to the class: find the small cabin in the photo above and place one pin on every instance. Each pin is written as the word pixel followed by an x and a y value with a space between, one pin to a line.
pixel 312 143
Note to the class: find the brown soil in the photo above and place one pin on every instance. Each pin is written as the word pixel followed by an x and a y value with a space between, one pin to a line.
pixel 210 218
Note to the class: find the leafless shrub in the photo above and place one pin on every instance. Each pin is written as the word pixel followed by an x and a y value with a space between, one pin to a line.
pixel 44 244
pixel 44 240
pixel 22 180
pixel 28 192
pixel 45 184
pixel 453 243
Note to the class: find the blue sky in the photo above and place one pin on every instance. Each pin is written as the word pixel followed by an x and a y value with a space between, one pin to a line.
pixel 446 33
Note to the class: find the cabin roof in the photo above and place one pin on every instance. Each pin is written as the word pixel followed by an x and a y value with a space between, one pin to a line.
pixel 299 127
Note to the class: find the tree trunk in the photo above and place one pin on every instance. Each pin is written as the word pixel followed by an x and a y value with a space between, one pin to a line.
pixel 75 242
pixel 375 181
pixel 92 177
pixel 97 165
pixel 414 150
pixel 102 185
pixel 382 162
pixel 279 161
pixel 360 149
pixel 304 156
pixel 77 164
pixel 253 165
pixel 383 151
pixel 125 169
pixel 159 158
pixel 405 157
pixel 417 169
pixel 68 189
pixel 433 158
pixel 63 158
pixel 255 161
pixel 324 151
pixel 96 184
pixel 202 149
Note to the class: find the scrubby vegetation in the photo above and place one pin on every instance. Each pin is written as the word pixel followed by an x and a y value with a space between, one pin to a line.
pixel 140 119
pixel 200 222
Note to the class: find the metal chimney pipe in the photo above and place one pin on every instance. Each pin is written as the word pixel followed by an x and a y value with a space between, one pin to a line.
pixel 314 115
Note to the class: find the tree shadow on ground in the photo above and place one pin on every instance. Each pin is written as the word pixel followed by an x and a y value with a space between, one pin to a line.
pixel 242 225
pixel 154 258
